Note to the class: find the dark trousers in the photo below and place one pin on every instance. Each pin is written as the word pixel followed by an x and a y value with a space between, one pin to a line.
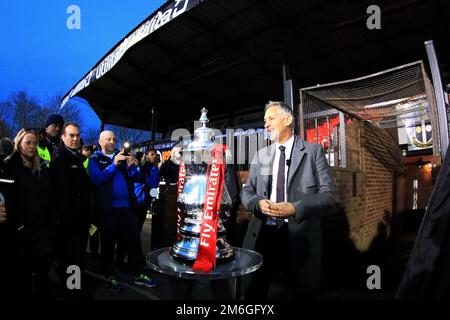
pixel 120 225
pixel 23 274
pixel 94 243
pixel 29 279
pixel 141 215
pixel 272 244
pixel 71 244
pixel 141 212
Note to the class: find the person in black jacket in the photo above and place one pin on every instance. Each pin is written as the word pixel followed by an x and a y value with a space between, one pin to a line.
pixel 30 218
pixel 71 190
pixel 49 137
pixel 169 168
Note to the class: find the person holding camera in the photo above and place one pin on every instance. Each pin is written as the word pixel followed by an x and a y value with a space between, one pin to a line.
pixel 113 175
pixel 149 179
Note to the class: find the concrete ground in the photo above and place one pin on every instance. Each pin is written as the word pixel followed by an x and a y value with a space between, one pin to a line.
pixel 172 288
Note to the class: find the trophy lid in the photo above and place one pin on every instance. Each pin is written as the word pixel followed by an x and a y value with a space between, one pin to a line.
pixel 204 118
pixel 203 136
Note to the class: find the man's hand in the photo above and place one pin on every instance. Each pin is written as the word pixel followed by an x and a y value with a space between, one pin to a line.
pixel 276 209
pixel 131 160
pixel 2 212
pixel 119 157
pixel 282 209
pixel 264 206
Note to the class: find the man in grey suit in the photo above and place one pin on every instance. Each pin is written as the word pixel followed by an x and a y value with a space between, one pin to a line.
pixel 288 190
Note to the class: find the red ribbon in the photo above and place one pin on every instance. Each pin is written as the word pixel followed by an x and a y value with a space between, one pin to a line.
pixel 180 185
pixel 206 255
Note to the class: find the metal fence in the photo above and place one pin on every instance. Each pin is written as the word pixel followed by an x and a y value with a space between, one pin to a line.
pixel 401 97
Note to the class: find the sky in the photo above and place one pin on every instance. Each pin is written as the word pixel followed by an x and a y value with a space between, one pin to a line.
pixel 41 55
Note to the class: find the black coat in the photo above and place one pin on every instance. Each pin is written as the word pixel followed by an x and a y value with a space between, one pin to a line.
pixel 46 142
pixel 169 171
pixel 230 222
pixel 71 190
pixel 31 221
pixel 427 273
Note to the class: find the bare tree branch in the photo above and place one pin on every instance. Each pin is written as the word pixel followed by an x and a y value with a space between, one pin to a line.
pixel 124 134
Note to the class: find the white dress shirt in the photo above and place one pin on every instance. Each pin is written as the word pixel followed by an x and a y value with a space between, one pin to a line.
pixel 273 194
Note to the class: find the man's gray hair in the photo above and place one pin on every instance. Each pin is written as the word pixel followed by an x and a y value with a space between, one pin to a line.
pixel 103 133
pixel 285 109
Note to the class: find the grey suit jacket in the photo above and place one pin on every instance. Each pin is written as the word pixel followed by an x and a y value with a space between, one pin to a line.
pixel 311 189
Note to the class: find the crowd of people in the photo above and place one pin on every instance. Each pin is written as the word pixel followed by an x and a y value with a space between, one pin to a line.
pixel 62 188
pixel 57 191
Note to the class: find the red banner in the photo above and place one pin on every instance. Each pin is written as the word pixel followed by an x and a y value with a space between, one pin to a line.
pixel 206 255
pixel 181 176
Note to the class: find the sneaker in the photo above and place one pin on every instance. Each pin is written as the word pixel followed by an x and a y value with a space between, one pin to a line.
pixel 114 284
pixel 144 280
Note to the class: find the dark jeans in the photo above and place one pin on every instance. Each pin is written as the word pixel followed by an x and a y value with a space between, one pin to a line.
pixel 272 244
pixel 121 225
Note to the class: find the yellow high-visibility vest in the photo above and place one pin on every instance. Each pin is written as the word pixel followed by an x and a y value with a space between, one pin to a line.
pixel 44 154
pixel 86 165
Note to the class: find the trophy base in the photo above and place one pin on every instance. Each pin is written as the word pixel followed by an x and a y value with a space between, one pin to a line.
pixel 186 249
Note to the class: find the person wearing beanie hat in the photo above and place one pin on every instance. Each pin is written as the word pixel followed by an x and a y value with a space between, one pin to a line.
pixel 54 118
pixel 49 136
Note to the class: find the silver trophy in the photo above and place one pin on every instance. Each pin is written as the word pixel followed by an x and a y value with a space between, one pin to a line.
pixel 196 157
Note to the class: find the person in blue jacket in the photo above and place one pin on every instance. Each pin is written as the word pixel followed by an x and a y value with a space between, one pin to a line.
pixel 113 175
pixel 150 180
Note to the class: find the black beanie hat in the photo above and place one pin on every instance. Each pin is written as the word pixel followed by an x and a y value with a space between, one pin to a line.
pixel 54 118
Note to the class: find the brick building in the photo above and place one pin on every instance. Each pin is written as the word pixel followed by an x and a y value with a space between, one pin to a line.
pixel 361 124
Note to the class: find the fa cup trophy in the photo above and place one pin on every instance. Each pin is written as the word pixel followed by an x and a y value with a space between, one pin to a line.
pixel 202 200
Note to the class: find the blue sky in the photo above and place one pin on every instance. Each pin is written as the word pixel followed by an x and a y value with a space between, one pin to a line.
pixel 39 54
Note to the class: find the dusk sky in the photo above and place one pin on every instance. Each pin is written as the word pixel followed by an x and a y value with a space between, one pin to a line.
pixel 40 55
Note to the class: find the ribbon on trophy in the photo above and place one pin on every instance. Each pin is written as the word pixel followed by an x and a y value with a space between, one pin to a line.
pixel 180 185
pixel 206 255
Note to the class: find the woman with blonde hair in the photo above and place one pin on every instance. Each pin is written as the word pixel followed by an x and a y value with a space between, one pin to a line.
pixel 30 216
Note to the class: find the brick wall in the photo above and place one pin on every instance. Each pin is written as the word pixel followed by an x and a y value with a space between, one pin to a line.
pixel 352 202
pixel 366 189
pixel 349 196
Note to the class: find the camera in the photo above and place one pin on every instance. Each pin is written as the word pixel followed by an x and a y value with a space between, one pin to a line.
pixel 126 149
